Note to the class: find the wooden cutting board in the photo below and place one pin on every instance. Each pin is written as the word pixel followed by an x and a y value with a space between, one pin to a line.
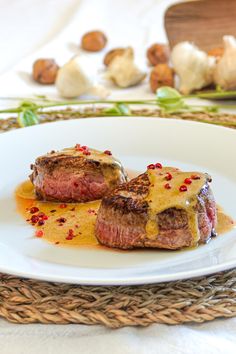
pixel 203 22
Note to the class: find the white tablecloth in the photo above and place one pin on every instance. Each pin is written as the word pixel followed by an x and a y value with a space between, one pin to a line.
pixel 26 26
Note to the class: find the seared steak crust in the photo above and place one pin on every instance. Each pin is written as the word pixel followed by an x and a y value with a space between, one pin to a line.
pixel 74 177
pixel 123 216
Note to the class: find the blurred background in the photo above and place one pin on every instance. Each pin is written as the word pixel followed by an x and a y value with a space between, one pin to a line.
pixel 26 25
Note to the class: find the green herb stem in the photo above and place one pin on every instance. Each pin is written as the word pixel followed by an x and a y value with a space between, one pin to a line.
pixel 10 110
pixel 168 100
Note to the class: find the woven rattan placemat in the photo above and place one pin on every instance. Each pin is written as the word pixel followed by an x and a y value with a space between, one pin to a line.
pixel 194 300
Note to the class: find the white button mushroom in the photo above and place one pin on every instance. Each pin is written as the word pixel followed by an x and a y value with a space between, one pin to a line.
pixel 193 66
pixel 73 81
pixel 123 71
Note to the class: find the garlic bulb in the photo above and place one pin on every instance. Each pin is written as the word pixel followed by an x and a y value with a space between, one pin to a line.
pixel 193 66
pixel 225 71
pixel 123 71
pixel 73 81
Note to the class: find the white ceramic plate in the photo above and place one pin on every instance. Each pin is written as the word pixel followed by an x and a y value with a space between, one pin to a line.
pixel 137 142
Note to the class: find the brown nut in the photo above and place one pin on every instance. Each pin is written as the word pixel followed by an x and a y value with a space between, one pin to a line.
pixel 216 52
pixel 45 71
pixel 161 75
pixel 158 54
pixel 112 54
pixel 93 41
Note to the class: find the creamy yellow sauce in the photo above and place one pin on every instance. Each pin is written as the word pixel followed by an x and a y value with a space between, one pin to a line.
pixel 80 217
pixel 161 198
pixel 94 155
pixel 224 222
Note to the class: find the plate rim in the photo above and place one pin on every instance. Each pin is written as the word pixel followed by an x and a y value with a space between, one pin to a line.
pixel 137 279
pixel 127 281
pixel 160 119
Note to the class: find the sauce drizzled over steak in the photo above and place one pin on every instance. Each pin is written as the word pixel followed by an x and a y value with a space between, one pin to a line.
pixel 77 174
pixel 161 208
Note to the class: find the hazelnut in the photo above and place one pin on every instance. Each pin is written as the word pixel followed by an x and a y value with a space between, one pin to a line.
pixel 112 54
pixel 158 54
pixel 161 75
pixel 216 52
pixel 93 41
pixel 45 71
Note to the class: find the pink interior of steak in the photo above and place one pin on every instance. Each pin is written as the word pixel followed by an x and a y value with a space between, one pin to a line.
pixel 128 230
pixel 71 176
pixel 71 186
pixel 207 214
pixel 122 219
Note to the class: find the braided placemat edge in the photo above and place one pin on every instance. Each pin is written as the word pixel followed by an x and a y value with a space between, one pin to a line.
pixel 194 300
